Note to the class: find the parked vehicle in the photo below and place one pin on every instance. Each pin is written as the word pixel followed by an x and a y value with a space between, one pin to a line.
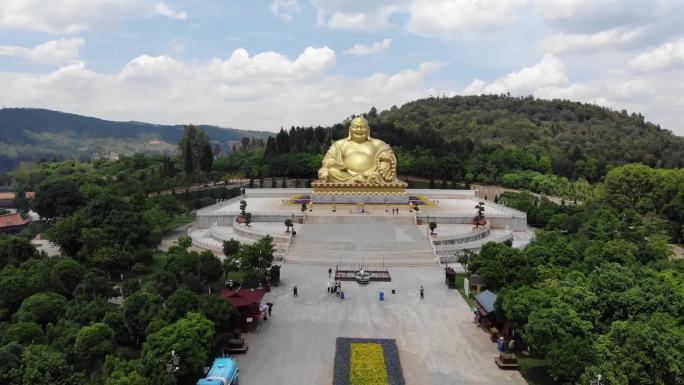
pixel 224 371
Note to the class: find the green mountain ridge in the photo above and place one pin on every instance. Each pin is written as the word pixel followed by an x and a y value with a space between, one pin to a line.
pixel 29 134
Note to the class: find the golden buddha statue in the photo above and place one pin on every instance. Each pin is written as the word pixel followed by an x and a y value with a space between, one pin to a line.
pixel 359 160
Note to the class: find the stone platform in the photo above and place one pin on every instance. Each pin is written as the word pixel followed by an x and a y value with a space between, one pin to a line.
pixel 371 235
pixel 376 198
pixel 388 193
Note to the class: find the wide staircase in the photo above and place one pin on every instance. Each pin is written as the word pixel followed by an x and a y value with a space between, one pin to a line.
pixel 371 241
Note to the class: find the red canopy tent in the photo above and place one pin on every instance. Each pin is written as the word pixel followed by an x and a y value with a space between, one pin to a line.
pixel 247 303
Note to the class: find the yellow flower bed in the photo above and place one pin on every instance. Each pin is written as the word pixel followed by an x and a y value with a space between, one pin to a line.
pixel 368 364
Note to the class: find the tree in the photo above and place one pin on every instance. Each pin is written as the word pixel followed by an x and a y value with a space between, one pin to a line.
pixel 231 247
pixel 42 308
pixel 648 351
pixel 209 267
pixel 567 358
pixel 193 148
pixel 41 365
pixel 25 333
pixel 119 371
pixel 138 309
pixel 191 338
pixel 243 207
pixel 551 324
pixel 21 202
pixel 94 342
pixel 218 310
pixel 15 250
pixel 433 226
pixel 631 186
pixel 480 207
pixel 501 265
pixel 57 197
pixel 14 289
pixel 184 241
pixel 188 162
pixel 181 302
pixel 10 361
pixel 66 275
pixel 206 158
pixel 94 284
pixel 66 233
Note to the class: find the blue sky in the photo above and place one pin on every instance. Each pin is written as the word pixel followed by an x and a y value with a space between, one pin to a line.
pixel 264 64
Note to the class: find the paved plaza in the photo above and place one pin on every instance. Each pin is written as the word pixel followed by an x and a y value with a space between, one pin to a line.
pixel 437 340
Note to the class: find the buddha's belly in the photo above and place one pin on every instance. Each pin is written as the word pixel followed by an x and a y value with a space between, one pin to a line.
pixel 358 161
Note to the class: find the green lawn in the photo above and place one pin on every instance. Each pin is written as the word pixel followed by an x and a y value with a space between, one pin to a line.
pixel 534 371
pixel 237 276
pixel 459 287
pixel 179 221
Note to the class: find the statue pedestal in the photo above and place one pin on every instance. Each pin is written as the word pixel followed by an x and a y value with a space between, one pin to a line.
pixel 332 192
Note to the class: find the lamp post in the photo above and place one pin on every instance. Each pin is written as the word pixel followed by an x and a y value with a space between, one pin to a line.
pixel 172 365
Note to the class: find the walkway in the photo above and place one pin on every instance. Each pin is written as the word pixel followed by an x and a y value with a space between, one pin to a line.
pixel 437 340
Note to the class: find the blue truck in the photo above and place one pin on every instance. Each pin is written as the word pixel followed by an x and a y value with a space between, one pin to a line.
pixel 224 371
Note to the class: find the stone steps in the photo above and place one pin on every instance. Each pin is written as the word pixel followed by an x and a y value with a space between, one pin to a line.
pixel 360 218
pixel 342 247
pixel 367 254
pixel 366 264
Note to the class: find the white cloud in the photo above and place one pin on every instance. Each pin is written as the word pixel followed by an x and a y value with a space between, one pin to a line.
pixel 161 8
pixel 272 65
pixel 368 15
pixel 449 18
pixel 73 16
pixel 556 9
pixel 667 55
pixel 362 49
pixel 262 91
pixel 52 52
pixel 549 72
pixel 285 9
pixel 615 37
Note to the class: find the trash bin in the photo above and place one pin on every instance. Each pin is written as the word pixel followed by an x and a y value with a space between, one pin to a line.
pixel 382 296
pixel 341 295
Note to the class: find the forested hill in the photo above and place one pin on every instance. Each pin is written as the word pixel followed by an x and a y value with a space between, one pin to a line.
pixel 31 134
pixel 567 131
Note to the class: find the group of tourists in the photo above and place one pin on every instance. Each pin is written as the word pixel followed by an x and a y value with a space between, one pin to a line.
pixel 395 210
pixel 335 287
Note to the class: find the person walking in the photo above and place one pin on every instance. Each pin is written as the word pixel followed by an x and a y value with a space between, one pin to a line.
pixel 294 292
pixel 329 272
pixel 422 292
pixel 270 308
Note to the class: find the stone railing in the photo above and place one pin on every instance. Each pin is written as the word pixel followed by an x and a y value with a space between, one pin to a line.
pixel 475 245
pixel 450 238
pixel 252 233
pixel 218 205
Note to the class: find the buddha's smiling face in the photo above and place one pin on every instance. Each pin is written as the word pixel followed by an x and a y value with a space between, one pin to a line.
pixel 359 130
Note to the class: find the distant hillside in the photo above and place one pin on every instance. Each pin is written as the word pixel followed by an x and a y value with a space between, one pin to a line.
pixel 32 134
pixel 567 131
